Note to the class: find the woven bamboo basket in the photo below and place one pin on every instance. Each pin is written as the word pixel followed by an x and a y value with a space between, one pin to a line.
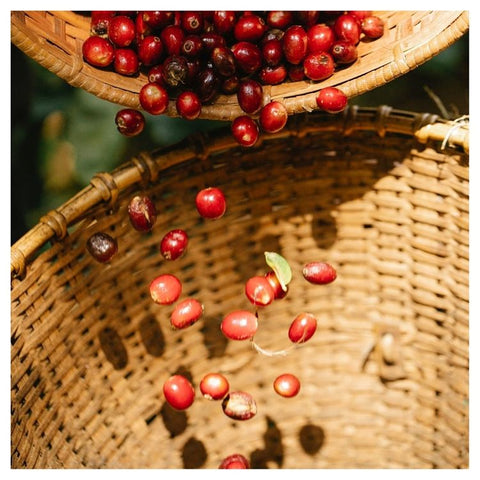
pixel 54 40
pixel 381 194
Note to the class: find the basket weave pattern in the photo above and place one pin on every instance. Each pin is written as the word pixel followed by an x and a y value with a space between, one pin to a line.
pixel 385 377
pixel 54 40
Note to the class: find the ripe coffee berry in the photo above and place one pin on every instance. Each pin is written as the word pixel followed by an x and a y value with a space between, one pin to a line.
pixel 234 461
pixel 344 52
pixel 272 279
pixel 272 52
pixel 286 385
pixel 153 98
pixel 249 28
pixel 223 21
pixel 188 105
pixel 179 392
pixel 150 50
pixel 99 21
pixel 207 84
pixel 279 19
pixel 245 130
pixel 102 247
pixel 214 386
pixel 347 27
pixel 172 37
pixel 165 289
pixel 129 122
pixel 211 203
pixel 259 291
pixel 142 213
pixel 319 273
pixel 186 313
pixel 320 38
pixel 273 75
pixel 239 325
pixel 273 117
pixel 248 57
pixel 250 96
pixel 98 51
pixel 302 328
pixel 372 26
pixel 239 406
pixel 173 244
pixel 331 100
pixel 192 22
pixel 125 61
pixel 121 30
pixel 295 44
pixel 318 66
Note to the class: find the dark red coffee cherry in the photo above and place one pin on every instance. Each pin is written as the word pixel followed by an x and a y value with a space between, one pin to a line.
pixel 245 130
pixel 223 61
pixel 98 51
pixel 179 392
pixel 250 95
pixel 126 61
pixel 279 19
pixel 273 117
pixel 175 71
pixel 99 21
pixel 192 22
pixel 172 37
pixel 154 98
pixel 347 27
pixel 207 85
pixel 248 57
pixel 273 75
pixel 295 44
pixel 331 100
pixel 344 52
pixel 372 26
pixel 150 50
pixel 319 273
pixel 211 203
pixel 142 213
pixel 320 38
pixel 192 46
pixel 130 122
pixel 174 244
pixel 223 21
pixel 158 19
pixel 102 247
pixel 188 105
pixel 249 28
pixel 272 52
pixel 296 73
pixel 121 31
pixel 308 17
pixel 318 66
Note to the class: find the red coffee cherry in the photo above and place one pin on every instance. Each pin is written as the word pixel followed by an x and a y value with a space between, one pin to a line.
pixel 331 100
pixel 320 38
pixel 250 96
pixel 239 406
pixel 121 31
pixel 175 70
pixel 153 98
pixel 372 26
pixel 279 19
pixel 98 51
pixel 102 247
pixel 158 19
pixel 207 84
pixel 239 325
pixel 248 57
pixel 245 130
pixel 360 14
pixel 319 273
pixel 272 279
pixel 174 244
pixel 223 61
pixel 344 52
pixel 223 21
pixel 192 46
pixel 186 313
pixel 172 37
pixel 214 386
pixel 126 61
pixel 302 328
pixel 272 52
pixel 273 75
pixel 142 213
pixel 129 122
pixel 165 289
pixel 99 20
pixel 188 105
pixel 347 27
pixel 150 50
pixel 259 291
pixel 287 385
pixel 295 44
pixel 273 117
pixel 249 28
pixel 179 392
pixel 211 203
pixel 318 66
pixel 234 461
pixel 192 22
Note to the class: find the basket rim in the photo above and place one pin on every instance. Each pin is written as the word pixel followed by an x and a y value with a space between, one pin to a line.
pixel 415 38
pixel 141 170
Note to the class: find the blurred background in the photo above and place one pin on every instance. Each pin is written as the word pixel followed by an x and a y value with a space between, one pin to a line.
pixel 62 136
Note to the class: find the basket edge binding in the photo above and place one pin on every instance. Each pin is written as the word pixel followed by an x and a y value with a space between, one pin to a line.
pixel 405 58
pixel 143 169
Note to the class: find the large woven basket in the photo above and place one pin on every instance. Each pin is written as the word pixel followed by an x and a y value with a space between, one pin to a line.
pixel 54 40
pixel 380 194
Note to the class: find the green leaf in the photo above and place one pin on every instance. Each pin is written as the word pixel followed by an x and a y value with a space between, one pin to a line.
pixel 281 268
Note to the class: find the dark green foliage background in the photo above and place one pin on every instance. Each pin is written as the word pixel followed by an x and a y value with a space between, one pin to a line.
pixel 60 131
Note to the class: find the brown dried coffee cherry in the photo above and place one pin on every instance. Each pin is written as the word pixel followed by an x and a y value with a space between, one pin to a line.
pixel 102 247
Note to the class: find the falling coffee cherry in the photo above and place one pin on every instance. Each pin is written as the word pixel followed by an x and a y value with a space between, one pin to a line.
pixel 286 385
pixel 130 122
pixel 211 203
pixel 319 273
pixel 102 247
pixel 179 392
pixel 142 213
pixel 234 461
pixel 239 406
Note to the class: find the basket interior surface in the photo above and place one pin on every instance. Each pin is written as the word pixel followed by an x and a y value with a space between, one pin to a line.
pixel 384 378
pixel 54 39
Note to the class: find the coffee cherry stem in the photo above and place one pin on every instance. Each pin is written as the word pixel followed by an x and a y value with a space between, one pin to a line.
pixel 272 353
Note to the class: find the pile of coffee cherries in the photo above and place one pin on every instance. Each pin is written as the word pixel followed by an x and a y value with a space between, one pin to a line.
pixel 237 325
pixel 194 56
